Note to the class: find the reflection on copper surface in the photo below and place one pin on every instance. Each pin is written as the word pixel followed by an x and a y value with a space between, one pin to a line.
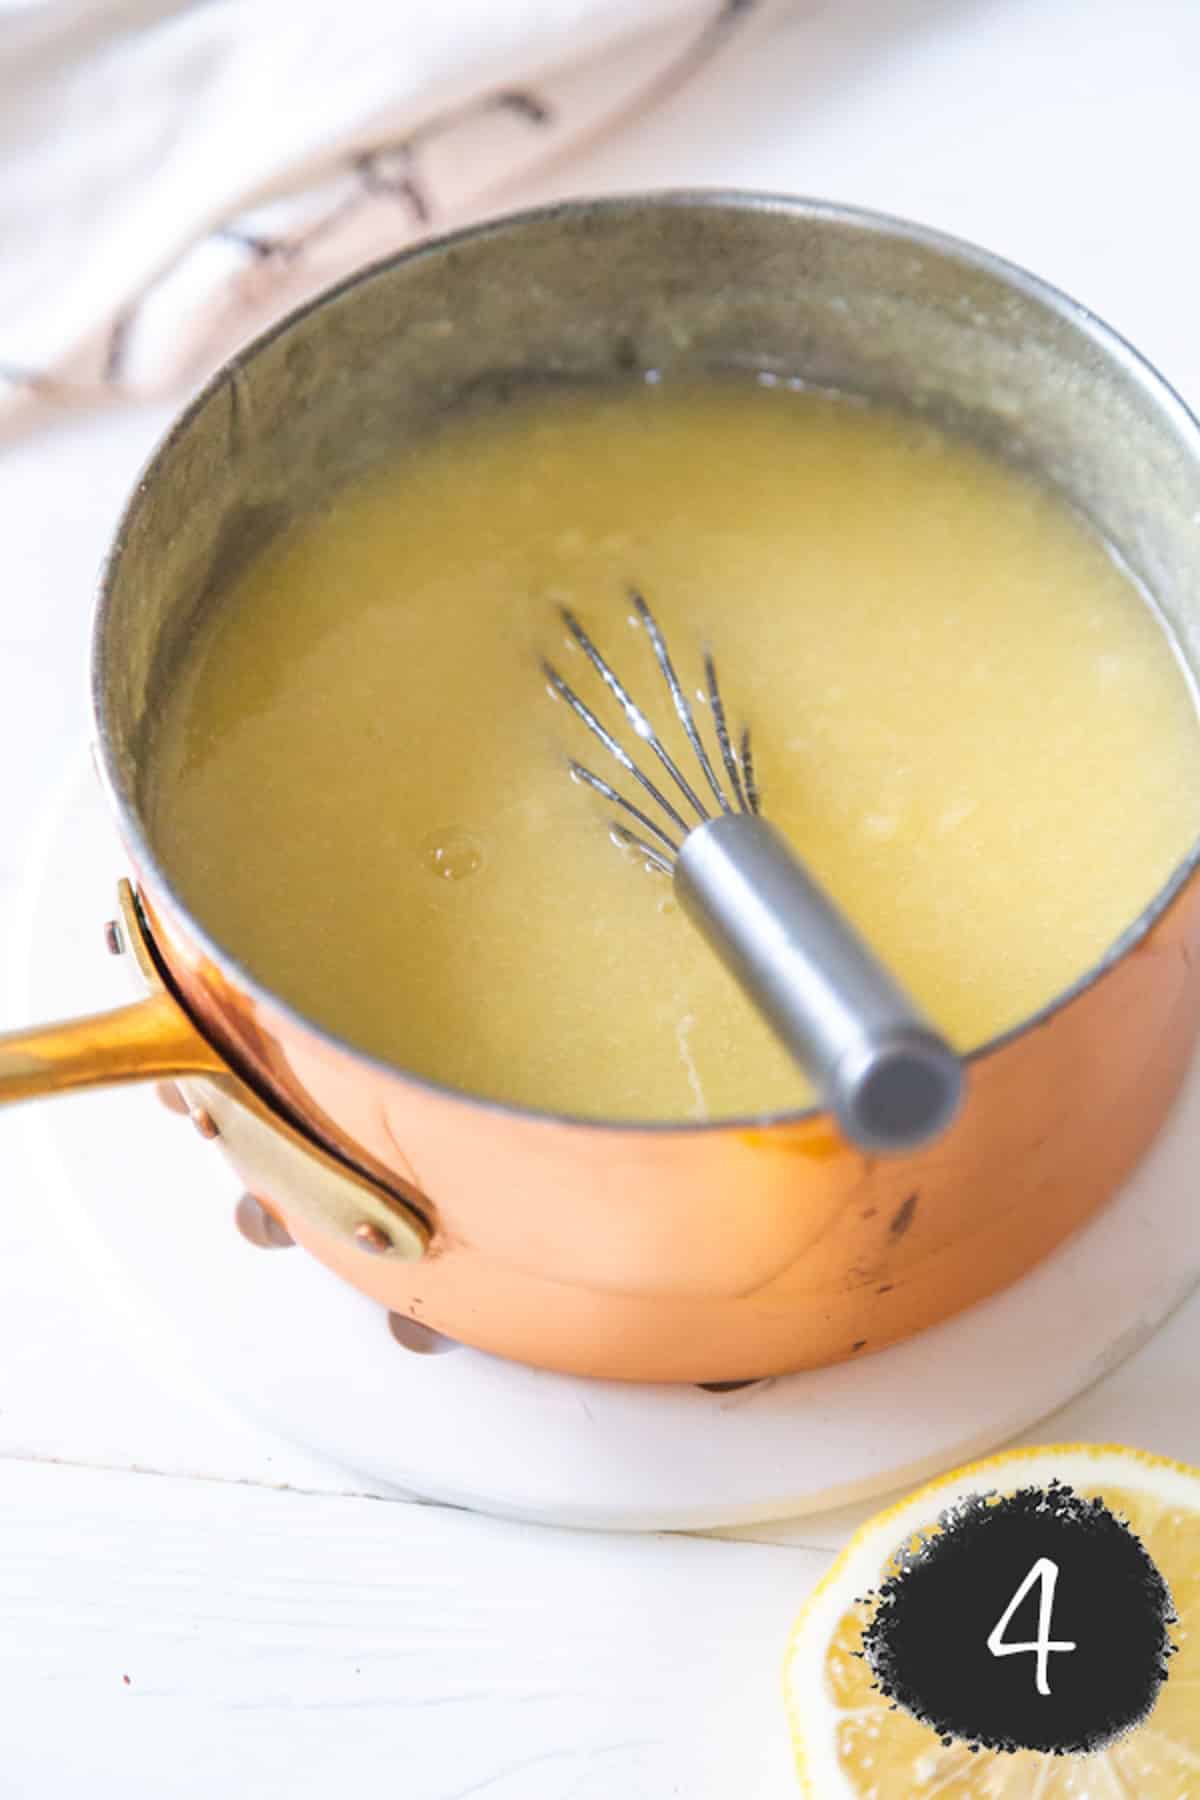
pixel 718 1253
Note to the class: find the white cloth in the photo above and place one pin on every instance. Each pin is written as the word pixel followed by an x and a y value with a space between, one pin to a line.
pixel 176 173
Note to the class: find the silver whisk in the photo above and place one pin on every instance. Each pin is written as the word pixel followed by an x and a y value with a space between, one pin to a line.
pixel 891 1080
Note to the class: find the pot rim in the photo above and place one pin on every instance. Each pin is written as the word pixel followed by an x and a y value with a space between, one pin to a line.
pixel 1116 348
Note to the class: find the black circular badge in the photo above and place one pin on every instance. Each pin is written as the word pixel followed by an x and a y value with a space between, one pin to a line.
pixel 1033 1622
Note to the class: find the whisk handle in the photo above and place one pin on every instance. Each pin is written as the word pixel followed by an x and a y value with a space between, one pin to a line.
pixel 890 1079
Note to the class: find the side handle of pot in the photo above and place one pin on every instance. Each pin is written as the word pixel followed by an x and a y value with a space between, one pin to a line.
pixel 146 1041
pixel 155 1038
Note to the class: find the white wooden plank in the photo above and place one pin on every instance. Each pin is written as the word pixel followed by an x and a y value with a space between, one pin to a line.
pixel 305 1645
pixel 82 1374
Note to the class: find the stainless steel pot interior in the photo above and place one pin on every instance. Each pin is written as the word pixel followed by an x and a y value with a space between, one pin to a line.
pixel 602 292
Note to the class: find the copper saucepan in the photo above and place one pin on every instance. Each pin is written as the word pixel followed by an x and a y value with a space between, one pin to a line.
pixel 682 1252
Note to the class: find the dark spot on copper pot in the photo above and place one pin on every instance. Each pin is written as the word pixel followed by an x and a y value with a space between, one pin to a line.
pixel 422 1340
pixel 259 1226
pixel 625 354
pixel 904 1217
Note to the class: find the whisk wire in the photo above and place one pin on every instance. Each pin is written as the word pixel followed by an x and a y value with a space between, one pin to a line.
pixel 717 707
pixel 611 745
pixel 626 840
pixel 682 706
pixel 752 795
pixel 737 764
pixel 634 713
pixel 635 812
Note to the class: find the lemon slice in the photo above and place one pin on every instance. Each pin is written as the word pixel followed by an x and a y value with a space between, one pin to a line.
pixel 852 1744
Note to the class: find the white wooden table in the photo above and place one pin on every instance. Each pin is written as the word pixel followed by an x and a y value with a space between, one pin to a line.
pixel 189 1607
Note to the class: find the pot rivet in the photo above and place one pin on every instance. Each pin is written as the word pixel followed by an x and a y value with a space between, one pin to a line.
pixel 204 1122
pixel 422 1340
pixel 371 1238
pixel 114 942
pixel 259 1226
pixel 169 1096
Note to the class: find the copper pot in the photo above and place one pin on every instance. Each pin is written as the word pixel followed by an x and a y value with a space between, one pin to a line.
pixel 673 1252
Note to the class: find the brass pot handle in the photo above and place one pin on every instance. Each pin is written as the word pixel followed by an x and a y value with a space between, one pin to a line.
pixel 146 1041
pixel 153 1039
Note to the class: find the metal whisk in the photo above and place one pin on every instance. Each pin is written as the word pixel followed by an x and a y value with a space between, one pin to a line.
pixel 891 1080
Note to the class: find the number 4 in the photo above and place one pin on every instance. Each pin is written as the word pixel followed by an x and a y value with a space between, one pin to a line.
pixel 1046 1572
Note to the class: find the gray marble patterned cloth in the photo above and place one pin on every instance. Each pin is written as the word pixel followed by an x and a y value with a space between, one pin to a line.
pixel 175 174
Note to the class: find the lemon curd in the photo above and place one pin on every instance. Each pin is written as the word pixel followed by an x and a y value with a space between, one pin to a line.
pixel 966 718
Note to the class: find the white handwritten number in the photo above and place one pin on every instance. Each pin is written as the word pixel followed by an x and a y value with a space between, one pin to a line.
pixel 1046 1572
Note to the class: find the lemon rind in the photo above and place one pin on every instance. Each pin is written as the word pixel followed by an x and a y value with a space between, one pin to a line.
pixel 857 1569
